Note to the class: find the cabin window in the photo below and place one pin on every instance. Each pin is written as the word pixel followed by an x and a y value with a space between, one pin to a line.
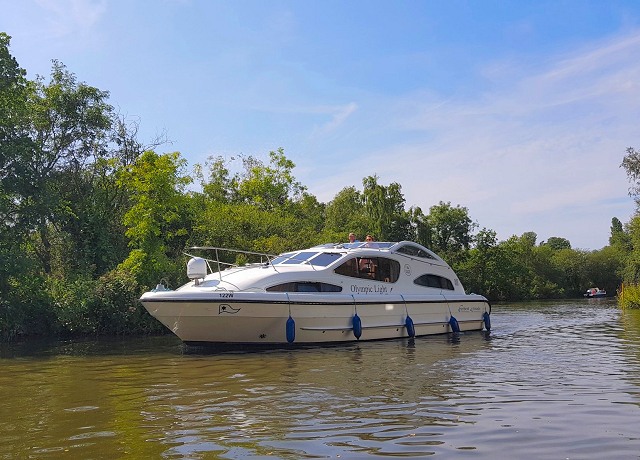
pixel 434 281
pixel 321 259
pixel 281 258
pixel 325 258
pixel 299 257
pixel 305 286
pixel 414 251
pixel 373 268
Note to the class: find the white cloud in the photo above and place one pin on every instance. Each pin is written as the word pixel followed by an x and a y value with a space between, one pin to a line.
pixel 72 17
pixel 338 116
pixel 541 153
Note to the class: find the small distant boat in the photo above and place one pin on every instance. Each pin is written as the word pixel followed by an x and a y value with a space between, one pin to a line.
pixel 595 292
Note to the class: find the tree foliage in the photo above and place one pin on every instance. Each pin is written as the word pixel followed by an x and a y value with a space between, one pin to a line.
pixel 631 164
pixel 158 221
pixel 346 213
pixel 449 231
pixel 385 208
pixel 556 243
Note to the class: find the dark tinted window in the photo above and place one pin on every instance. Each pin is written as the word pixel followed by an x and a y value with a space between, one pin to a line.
pixel 373 268
pixel 434 281
pixel 305 286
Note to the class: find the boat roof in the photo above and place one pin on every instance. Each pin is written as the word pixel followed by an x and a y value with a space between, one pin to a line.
pixel 325 254
pixel 323 260
pixel 407 248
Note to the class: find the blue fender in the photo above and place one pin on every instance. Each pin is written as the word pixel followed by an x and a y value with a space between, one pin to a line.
pixel 455 327
pixel 411 330
pixel 291 330
pixel 357 326
pixel 486 318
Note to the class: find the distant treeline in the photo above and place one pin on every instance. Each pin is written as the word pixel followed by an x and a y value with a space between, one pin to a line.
pixel 93 217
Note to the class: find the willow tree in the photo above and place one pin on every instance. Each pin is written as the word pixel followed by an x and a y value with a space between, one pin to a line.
pixel 384 206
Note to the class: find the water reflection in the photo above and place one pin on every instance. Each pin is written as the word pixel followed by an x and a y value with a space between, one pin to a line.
pixel 358 398
pixel 551 380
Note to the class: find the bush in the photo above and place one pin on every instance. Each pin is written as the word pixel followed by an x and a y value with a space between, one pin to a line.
pixel 106 306
pixel 72 302
pixel 25 309
pixel 116 308
pixel 629 296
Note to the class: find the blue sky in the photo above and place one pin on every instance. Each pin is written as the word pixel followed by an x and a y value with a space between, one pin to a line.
pixel 519 111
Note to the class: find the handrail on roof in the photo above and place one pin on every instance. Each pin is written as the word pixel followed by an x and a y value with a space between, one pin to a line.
pixel 208 248
pixel 217 260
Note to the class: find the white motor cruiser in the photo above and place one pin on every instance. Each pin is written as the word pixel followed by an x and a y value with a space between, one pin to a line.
pixel 326 294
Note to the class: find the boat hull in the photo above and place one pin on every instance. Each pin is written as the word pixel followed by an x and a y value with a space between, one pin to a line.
pixel 282 318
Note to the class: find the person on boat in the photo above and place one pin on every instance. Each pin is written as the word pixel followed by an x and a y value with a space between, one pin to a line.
pixel 370 242
pixel 368 268
pixel 352 238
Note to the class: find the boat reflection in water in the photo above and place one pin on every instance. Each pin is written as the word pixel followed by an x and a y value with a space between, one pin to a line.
pixel 325 294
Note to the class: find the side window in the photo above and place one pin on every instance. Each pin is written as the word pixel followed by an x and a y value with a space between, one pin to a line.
pixel 325 258
pixel 349 268
pixel 388 270
pixel 373 268
pixel 414 251
pixel 434 281
pixel 305 286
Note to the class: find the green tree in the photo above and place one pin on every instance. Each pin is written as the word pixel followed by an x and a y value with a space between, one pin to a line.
pixel 630 240
pixel 479 269
pixel 159 221
pixel 556 243
pixel 64 125
pixel 631 272
pixel 310 215
pixel 269 186
pixel 346 213
pixel 631 164
pixel 604 268
pixel 449 231
pixel 24 304
pixel 384 206
pixel 218 185
pixel 13 141
pixel 619 237
pixel 262 208
pixel 570 270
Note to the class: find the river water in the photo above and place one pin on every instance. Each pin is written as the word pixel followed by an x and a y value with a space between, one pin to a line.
pixel 556 380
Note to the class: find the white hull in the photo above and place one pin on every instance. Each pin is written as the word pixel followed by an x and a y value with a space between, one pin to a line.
pixel 261 318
